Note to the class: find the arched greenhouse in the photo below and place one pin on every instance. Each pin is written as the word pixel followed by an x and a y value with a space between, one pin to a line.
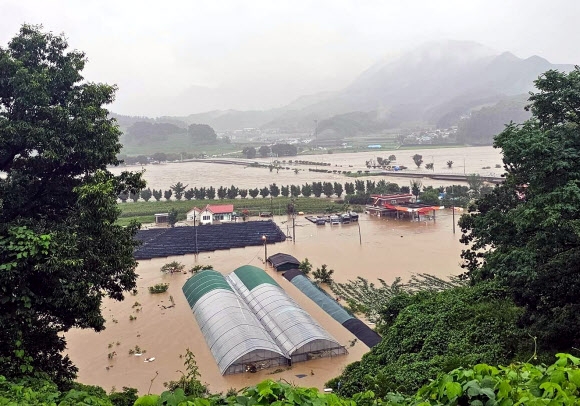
pixel 297 334
pixel 237 340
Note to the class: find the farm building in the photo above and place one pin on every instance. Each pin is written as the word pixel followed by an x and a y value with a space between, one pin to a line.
pixel 237 340
pixel 212 213
pixel 162 218
pixel 400 206
pixel 283 262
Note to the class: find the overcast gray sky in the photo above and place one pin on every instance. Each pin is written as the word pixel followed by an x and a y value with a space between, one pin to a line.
pixel 260 54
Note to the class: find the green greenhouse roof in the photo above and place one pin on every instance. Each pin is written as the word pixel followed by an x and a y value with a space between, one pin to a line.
pixel 252 276
pixel 203 282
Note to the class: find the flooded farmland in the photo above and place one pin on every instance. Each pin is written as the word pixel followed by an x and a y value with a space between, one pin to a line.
pixel 385 248
pixel 465 160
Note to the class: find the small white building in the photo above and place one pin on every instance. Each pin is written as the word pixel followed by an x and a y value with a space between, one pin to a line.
pixel 212 213
pixel 162 218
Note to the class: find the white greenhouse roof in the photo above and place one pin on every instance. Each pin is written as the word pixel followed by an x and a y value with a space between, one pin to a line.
pixel 290 325
pixel 231 330
pixel 250 323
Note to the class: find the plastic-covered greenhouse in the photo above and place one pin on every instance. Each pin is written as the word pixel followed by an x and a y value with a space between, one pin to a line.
pixel 237 340
pixel 333 308
pixel 297 334
pixel 328 304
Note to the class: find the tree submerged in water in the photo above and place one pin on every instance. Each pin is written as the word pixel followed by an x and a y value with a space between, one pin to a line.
pixel 323 274
pixel 418 159
pixel 305 266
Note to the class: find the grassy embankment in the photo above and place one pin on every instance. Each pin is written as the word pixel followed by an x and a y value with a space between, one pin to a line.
pixel 144 211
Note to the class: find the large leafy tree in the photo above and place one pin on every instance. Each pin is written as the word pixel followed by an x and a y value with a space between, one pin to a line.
pixel 526 233
pixel 202 134
pixel 60 250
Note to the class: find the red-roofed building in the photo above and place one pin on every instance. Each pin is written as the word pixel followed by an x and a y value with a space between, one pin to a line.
pixel 401 205
pixel 212 213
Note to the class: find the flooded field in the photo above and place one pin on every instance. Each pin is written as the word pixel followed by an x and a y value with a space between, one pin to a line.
pixel 466 160
pixel 390 248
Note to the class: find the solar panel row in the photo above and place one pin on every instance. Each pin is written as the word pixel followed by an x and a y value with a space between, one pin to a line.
pixel 190 240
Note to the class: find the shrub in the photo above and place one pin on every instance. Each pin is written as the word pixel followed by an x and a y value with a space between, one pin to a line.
pixel 172 267
pixel 428 333
pixel 159 288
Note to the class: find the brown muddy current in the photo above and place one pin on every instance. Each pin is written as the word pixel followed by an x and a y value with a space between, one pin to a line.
pixel 389 249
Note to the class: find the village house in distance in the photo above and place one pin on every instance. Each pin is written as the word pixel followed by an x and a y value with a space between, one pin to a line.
pixel 212 213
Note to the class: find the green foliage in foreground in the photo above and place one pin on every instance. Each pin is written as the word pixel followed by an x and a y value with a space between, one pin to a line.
pixel 427 333
pixel 526 233
pixel 516 384
pixel 61 251
pixel 369 298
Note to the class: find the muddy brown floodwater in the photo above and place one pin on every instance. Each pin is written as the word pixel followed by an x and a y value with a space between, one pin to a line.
pixel 198 174
pixel 389 249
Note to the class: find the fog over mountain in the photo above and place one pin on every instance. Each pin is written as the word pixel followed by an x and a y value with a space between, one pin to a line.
pixel 435 83
pixel 181 57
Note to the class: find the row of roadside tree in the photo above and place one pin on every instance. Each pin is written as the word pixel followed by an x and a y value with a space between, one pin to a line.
pixel 357 192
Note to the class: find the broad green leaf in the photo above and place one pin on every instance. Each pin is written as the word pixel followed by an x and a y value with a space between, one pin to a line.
pixel 453 390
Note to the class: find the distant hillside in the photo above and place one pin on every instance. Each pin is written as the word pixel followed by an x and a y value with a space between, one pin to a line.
pixel 482 125
pixel 437 80
pixel 230 120
pixel 436 84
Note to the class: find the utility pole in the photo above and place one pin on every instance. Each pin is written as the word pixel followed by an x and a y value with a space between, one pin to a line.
pixel 359 236
pixel 453 208
pixel 293 226
pixel 195 228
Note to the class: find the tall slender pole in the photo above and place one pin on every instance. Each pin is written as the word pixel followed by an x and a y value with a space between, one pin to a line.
pixel 195 227
pixel 293 227
pixel 359 236
pixel 453 208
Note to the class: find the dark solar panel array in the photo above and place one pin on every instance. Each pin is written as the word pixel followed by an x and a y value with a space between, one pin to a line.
pixel 182 240
pixel 148 235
